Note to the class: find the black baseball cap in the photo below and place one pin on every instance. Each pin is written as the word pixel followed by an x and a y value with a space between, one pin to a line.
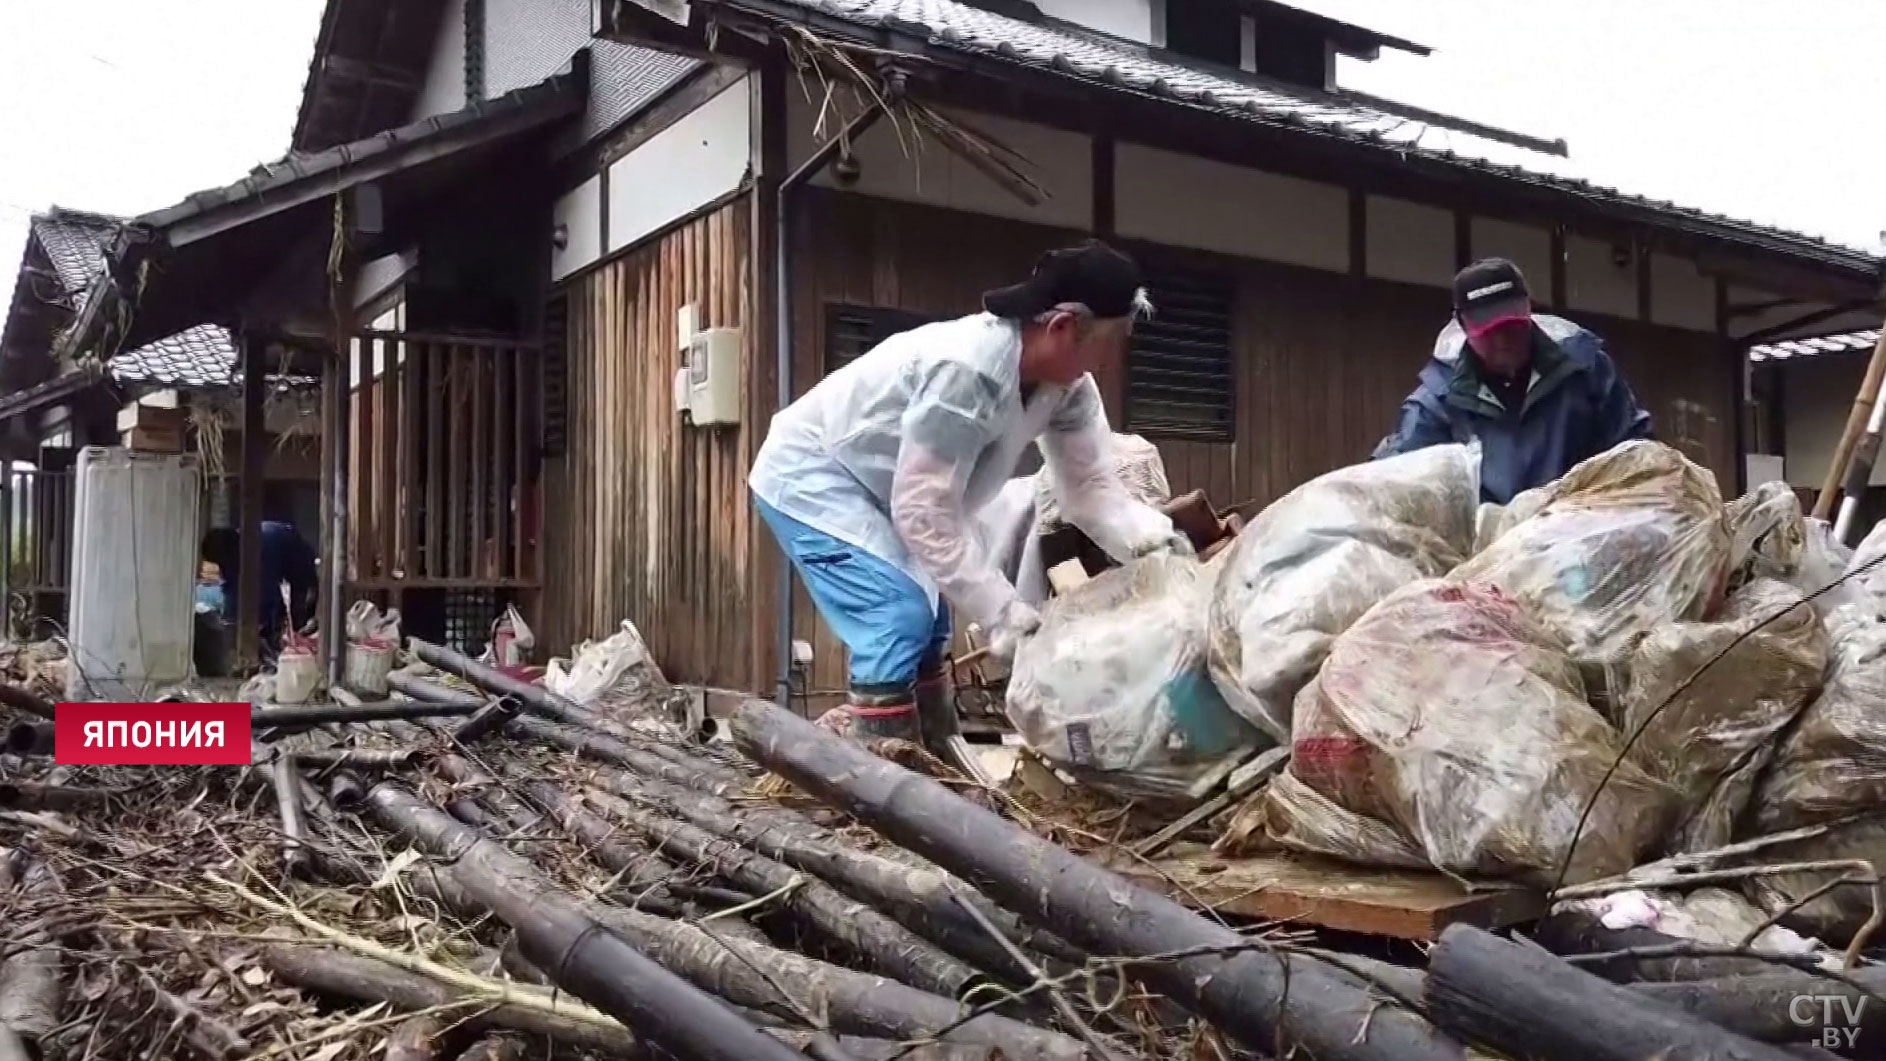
pixel 1092 274
pixel 1490 293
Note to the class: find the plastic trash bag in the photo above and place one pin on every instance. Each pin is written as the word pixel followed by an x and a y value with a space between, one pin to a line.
pixel 511 641
pixel 1833 763
pixel 1710 697
pixel 1713 917
pixel 1823 561
pixel 616 676
pixel 1767 533
pixel 1113 687
pixel 1627 541
pixel 1451 713
pixel 1865 569
pixel 368 625
pixel 1291 814
pixel 1315 560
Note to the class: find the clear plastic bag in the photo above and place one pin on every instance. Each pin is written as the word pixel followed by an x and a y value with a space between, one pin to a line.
pixel 1314 561
pixel 1141 470
pixel 616 676
pixel 1823 561
pixel 1833 762
pixel 1837 915
pixel 1767 533
pixel 1710 697
pixel 1450 713
pixel 1627 541
pixel 1113 686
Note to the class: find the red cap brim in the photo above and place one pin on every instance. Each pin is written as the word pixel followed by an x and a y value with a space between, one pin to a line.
pixel 1480 329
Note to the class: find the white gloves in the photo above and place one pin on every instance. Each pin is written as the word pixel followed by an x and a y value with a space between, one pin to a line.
pixel 1177 542
pixel 1016 623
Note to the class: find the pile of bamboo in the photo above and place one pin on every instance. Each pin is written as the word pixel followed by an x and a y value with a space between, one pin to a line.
pixel 506 875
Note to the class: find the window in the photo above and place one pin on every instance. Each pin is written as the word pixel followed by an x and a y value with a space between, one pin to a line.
pixel 1179 382
pixel 852 330
pixel 556 376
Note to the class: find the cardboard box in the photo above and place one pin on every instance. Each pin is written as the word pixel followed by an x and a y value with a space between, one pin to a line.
pixel 153 440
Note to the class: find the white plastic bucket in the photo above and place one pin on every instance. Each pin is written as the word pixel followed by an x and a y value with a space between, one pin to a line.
pixel 366 666
pixel 297 676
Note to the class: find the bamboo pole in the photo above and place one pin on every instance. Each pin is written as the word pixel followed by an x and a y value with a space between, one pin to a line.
pixel 569 945
pixel 1857 418
pixel 1233 981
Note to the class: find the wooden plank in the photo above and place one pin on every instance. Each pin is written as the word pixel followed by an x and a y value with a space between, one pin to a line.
pixel 477 457
pixel 388 480
pixel 503 518
pixel 249 588
pixel 438 407
pixel 523 528
pixel 1400 904
pixel 458 394
pixel 413 390
pixel 366 549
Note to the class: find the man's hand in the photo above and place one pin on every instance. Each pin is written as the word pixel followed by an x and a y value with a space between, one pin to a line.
pixel 1016 624
pixel 1177 543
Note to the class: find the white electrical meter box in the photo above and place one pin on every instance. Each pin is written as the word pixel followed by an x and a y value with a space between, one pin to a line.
pixel 714 377
pixel 134 573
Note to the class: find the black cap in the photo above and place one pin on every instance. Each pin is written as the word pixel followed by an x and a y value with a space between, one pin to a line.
pixel 1092 274
pixel 1489 293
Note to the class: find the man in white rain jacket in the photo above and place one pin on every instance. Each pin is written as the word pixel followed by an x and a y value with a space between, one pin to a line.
pixel 870 483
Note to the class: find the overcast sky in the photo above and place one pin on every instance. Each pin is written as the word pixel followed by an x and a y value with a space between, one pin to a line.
pixel 1758 109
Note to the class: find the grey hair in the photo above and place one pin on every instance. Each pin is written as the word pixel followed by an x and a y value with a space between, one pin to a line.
pixel 1142 309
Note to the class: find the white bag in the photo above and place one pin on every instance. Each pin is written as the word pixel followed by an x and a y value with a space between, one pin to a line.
pixel 1310 564
pixel 616 676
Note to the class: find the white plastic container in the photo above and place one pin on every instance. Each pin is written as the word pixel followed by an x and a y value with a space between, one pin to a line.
pixel 134 572
pixel 365 668
pixel 297 676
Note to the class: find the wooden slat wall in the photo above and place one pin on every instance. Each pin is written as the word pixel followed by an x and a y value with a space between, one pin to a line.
pixel 1323 361
pixel 438 487
pixel 646 519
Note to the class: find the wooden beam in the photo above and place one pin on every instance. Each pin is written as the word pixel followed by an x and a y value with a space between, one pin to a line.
pixel 1737 356
pixel 1463 239
pixel 1560 299
pixel 1103 181
pixel 1644 307
pixel 255 447
pixel 1358 234
pixel 366 72
pixel 1805 320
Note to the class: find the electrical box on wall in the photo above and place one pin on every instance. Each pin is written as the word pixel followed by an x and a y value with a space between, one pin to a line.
pixel 714 377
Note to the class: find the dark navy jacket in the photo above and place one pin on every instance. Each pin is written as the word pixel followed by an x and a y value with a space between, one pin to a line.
pixel 1576 406
pixel 286 557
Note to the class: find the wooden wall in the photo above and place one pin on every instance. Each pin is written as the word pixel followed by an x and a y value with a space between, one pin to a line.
pixel 645 519
pixel 1323 361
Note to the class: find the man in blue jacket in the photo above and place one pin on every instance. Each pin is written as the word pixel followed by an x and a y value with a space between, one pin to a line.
pixel 1538 391
pixel 286 558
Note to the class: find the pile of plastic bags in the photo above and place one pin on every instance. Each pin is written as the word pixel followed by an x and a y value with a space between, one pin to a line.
pixel 1451 716
pixel 1312 563
pixel 1627 541
pixel 1114 686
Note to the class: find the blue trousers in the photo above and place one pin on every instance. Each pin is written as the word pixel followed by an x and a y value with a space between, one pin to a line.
pixel 881 615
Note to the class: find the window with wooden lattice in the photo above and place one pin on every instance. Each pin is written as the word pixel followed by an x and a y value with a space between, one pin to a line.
pixel 556 376
pixel 852 330
pixel 1179 378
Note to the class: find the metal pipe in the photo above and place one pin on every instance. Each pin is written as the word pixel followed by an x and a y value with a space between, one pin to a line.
pixel 782 319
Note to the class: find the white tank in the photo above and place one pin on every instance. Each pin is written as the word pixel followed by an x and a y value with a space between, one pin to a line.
pixel 134 572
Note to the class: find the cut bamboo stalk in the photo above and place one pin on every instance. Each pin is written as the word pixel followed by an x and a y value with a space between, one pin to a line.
pixel 565 942
pixel 1857 417
pixel 1227 978
pixel 30 988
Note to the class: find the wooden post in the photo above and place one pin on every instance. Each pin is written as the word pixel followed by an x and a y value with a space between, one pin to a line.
pixel 1856 426
pixel 336 397
pixel 249 587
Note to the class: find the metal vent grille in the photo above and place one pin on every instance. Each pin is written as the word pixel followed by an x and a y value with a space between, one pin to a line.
pixel 556 376
pixel 1179 380
pixel 851 331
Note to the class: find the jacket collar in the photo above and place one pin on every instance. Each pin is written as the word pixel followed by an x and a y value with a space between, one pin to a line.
pixel 1551 367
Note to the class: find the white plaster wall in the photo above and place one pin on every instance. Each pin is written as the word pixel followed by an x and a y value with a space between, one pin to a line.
pixel 1595 285
pixel 1410 242
pixel 1528 247
pixel 684 167
pixel 444 88
pixel 1817 395
pixel 1188 201
pixel 1132 19
pixel 580 214
pixel 1680 295
pixel 894 164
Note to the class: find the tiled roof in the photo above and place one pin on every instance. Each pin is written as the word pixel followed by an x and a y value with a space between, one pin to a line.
pixel 203 356
pixel 1821 344
pixel 1112 62
pixel 75 241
